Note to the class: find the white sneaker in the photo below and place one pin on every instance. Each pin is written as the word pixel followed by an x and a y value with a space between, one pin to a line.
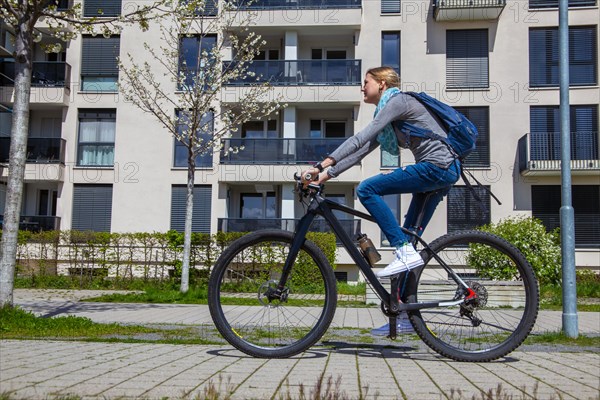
pixel 406 258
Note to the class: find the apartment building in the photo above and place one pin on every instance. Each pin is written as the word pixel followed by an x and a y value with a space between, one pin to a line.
pixel 95 162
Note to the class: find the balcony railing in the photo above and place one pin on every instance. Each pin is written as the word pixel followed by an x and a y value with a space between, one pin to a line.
pixel 36 223
pixel 39 150
pixel 45 74
pixel 297 4
pixel 351 226
pixel 554 3
pixel 542 151
pixel 278 151
pixel 301 72
pixel 465 10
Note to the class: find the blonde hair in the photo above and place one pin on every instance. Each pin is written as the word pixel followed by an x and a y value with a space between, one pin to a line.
pixel 385 74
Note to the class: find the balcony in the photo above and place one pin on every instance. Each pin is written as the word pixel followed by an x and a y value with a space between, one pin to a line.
pixel 534 4
pixel 467 10
pixel 302 72
pixel 278 151
pixel 39 150
pixel 539 154
pixel 45 74
pixel 351 226
pixel 6 47
pixel 36 223
pixel 298 4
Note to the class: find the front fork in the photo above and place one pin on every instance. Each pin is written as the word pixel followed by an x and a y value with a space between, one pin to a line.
pixel 280 291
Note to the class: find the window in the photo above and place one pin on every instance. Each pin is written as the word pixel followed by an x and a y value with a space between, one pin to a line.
pixel 390 6
pixel 201 209
pixel 467 59
pixel 96 146
pixel 390 50
pixel 92 207
pixel 203 160
pixel 389 160
pixel 554 3
pixel 544 57
pixel 545 132
pixel 191 62
pixel 99 68
pixel 464 211
pixel 258 205
pixel 266 129
pixel 101 8
pixel 546 203
pixel 328 129
pixel 393 202
pixel 480 116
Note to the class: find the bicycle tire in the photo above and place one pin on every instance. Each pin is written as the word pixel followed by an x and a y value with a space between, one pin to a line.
pixel 260 327
pixel 506 305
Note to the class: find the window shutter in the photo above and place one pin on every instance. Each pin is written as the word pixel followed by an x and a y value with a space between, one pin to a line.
pixel 390 6
pixel 467 58
pixel 110 8
pixel 464 211
pixel 92 208
pixel 544 56
pixel 546 203
pixel 99 56
pixel 202 208
pixel 480 116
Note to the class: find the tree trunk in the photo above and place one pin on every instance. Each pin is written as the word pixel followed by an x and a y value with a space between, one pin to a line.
pixel 16 164
pixel 187 231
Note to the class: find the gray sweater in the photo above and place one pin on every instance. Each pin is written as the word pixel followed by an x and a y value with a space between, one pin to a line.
pixel 400 107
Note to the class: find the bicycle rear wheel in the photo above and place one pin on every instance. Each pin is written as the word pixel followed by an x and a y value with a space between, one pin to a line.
pixel 241 302
pixel 500 314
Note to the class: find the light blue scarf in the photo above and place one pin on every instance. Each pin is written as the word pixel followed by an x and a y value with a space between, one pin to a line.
pixel 387 138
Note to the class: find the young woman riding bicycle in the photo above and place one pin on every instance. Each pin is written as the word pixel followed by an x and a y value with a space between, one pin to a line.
pixel 436 168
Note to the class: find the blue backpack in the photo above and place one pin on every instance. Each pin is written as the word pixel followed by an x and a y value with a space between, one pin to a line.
pixel 462 134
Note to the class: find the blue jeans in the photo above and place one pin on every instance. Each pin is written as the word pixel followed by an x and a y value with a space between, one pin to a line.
pixel 419 179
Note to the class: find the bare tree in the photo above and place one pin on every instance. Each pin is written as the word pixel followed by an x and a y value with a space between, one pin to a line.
pixel 22 16
pixel 183 90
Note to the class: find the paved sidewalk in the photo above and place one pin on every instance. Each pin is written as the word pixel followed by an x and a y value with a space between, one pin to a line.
pixel 56 369
pixel 394 370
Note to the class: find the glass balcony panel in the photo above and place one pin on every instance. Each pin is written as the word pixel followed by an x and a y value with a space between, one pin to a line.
pixel 297 4
pixel 277 151
pixel 39 150
pixel 36 223
pixel 350 226
pixel 44 74
pixel 301 72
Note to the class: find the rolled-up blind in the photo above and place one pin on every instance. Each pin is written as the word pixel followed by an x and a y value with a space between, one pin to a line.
pixel 467 58
pixel 201 211
pixel 99 56
pixel 108 8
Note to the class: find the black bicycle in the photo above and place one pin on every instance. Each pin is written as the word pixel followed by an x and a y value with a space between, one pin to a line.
pixel 272 293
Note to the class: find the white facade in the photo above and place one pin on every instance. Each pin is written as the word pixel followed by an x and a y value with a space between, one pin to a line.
pixel 142 173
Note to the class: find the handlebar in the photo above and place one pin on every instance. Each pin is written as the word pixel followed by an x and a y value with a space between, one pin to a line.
pixel 309 190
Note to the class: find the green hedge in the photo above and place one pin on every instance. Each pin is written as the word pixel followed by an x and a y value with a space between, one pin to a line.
pixel 93 256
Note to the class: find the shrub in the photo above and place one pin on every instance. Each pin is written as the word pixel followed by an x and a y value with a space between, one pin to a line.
pixel 529 235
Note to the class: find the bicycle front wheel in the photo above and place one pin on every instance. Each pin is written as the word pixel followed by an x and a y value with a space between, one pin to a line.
pixel 498 313
pixel 242 302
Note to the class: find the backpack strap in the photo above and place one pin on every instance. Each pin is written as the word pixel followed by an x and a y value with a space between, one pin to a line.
pixel 463 174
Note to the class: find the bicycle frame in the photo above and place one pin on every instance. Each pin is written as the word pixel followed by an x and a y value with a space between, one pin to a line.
pixel 324 207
